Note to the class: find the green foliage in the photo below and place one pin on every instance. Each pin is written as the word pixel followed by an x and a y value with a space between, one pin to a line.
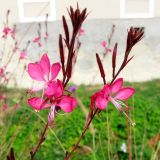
pixel 24 128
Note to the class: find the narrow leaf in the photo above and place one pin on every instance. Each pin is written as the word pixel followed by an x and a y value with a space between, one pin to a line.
pixel 61 51
pixel 66 30
pixel 114 55
pixel 100 68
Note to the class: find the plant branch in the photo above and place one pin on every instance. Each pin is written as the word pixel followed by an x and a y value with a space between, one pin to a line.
pixel 41 140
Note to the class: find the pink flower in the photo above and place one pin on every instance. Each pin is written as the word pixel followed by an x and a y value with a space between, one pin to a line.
pixel 54 94
pixel 112 93
pixel 16 106
pixel 6 31
pixel 104 44
pixel 46 36
pixel 55 99
pixel 1 72
pixel 43 71
pixel 36 39
pixel 5 106
pixel 23 55
pixel 81 32
pixel 2 97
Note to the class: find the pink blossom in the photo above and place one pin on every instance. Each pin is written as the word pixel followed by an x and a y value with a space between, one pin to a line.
pixel 43 71
pixel 36 39
pixel 112 93
pixel 2 97
pixel 38 103
pixel 81 32
pixel 1 72
pixel 104 44
pixel 46 36
pixel 6 31
pixel 23 55
pixel 54 94
pixel 16 106
pixel 5 106
pixel 54 97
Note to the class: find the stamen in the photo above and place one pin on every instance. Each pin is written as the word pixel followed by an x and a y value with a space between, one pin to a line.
pixel 120 102
pixel 131 122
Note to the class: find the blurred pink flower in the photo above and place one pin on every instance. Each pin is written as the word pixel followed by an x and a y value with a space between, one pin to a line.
pixel 81 32
pixel 2 97
pixel 104 44
pixel 5 106
pixel 6 31
pixel 37 40
pixel 112 93
pixel 23 55
pixel 1 72
pixel 16 106
pixel 46 36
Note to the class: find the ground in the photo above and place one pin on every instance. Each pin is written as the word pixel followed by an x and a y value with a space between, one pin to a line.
pixel 22 130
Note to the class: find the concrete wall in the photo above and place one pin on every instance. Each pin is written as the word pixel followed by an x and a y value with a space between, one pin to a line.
pixel 145 65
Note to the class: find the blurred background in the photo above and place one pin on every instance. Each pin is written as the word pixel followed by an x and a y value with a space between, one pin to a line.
pixel 35 26
pixel 27 14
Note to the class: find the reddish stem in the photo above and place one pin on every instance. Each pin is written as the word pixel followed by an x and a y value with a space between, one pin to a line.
pixel 81 137
pixel 41 140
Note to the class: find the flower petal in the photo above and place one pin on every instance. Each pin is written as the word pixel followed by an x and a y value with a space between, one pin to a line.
pixel 106 90
pixel 101 102
pixel 36 39
pixel 55 89
pixel 103 43
pixel 38 86
pixel 45 64
pixel 51 115
pixel 125 93
pixel 116 86
pixel 38 103
pixel 56 67
pixel 67 104
pixel 35 72
pixel 116 104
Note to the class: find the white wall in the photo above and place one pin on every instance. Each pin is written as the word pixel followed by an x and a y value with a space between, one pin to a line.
pixel 101 9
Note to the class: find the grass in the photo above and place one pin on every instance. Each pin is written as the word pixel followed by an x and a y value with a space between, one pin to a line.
pixel 23 128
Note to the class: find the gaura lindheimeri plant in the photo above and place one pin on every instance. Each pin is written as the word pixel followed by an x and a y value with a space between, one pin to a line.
pixel 114 91
pixel 55 95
